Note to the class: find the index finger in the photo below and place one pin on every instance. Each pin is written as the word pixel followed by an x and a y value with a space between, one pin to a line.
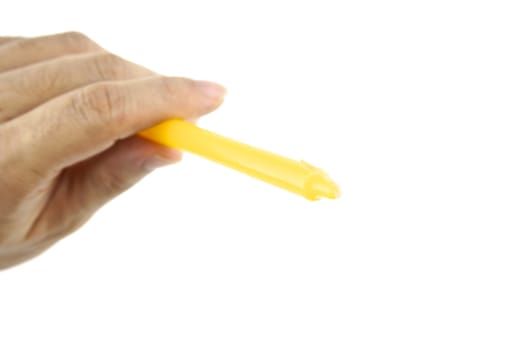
pixel 87 121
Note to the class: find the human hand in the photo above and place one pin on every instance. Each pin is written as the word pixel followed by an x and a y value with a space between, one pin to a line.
pixel 68 113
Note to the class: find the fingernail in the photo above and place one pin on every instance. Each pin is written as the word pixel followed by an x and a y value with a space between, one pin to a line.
pixel 155 162
pixel 211 90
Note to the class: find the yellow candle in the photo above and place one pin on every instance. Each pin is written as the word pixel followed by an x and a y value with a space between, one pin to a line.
pixel 295 176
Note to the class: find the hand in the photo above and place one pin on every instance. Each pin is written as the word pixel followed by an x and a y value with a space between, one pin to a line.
pixel 68 113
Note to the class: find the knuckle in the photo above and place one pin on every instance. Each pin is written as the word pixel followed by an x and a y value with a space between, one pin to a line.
pixel 77 41
pixel 100 101
pixel 76 37
pixel 36 80
pixel 22 44
pixel 110 66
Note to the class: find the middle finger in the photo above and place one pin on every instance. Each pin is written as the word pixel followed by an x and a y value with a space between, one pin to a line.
pixel 23 89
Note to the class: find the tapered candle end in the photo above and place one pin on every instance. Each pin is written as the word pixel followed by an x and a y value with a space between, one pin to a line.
pixel 324 187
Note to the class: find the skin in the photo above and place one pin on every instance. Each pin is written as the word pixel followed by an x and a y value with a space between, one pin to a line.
pixel 69 111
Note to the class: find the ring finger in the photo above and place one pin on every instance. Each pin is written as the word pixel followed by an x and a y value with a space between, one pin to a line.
pixel 6 39
pixel 20 53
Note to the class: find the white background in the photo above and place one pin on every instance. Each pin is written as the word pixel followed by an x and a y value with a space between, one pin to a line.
pixel 415 107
